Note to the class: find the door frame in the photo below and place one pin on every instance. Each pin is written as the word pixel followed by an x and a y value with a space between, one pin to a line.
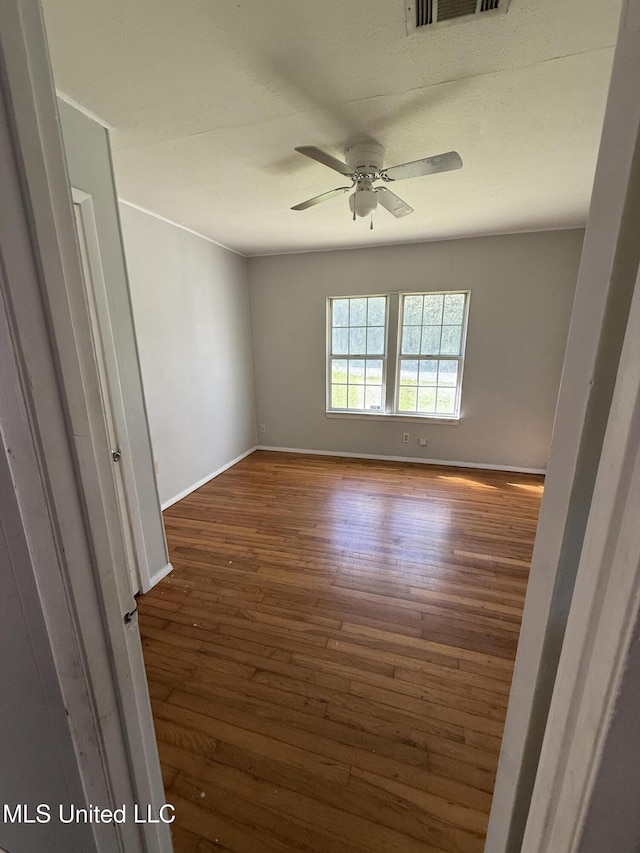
pixel 604 290
pixel 59 451
pixel 586 788
pixel 141 572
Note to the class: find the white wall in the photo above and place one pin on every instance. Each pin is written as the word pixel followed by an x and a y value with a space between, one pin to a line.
pixel 522 290
pixel 192 322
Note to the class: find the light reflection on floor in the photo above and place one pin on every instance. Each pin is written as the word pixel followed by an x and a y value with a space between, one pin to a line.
pixel 357 523
pixel 468 481
pixel 534 488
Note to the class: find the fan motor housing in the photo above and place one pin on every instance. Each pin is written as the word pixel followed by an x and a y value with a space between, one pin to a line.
pixel 365 158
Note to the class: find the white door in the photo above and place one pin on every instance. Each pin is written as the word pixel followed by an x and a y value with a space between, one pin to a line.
pixel 104 350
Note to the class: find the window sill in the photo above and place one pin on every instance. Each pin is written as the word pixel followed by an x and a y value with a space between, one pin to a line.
pixel 381 416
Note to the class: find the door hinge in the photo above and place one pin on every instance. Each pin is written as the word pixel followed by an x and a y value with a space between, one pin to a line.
pixel 128 617
pixel 116 454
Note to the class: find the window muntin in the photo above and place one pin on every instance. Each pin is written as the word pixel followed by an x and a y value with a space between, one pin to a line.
pixel 357 358
pixel 431 350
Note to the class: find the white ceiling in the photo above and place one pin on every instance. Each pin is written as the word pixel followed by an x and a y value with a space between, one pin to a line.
pixel 207 99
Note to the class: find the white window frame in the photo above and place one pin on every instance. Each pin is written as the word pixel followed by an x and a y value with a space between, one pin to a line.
pixel 440 416
pixel 383 357
pixel 391 361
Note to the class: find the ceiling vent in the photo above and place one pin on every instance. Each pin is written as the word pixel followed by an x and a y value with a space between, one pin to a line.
pixel 423 14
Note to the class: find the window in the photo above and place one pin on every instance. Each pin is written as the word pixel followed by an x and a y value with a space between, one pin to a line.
pixel 431 351
pixel 424 346
pixel 357 353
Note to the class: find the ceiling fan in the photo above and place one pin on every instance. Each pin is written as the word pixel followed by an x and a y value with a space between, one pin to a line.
pixel 364 167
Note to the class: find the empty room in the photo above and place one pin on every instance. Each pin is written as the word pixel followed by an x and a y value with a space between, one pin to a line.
pixel 346 368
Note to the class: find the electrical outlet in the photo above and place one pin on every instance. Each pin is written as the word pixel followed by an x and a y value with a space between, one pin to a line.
pixel 405 438
pixel 263 427
pixel 422 442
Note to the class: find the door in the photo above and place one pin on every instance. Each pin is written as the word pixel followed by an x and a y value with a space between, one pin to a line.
pixel 105 356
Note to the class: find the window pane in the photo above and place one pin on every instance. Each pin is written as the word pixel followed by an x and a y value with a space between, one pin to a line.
pixel 358 331
pixel 356 396
pixel 339 370
pixel 428 375
pixel 339 396
pixel 448 373
pixel 407 399
pixel 340 312
pixel 453 309
pixel 413 310
pixel 358 315
pixel 340 341
pixel 430 339
pixel 373 397
pixel 451 340
pixel 376 313
pixel 409 373
pixel 356 372
pixel 410 340
pixel 427 400
pixel 357 341
pixel 374 372
pixel 429 372
pixel 375 340
pixel 433 309
pixel 446 403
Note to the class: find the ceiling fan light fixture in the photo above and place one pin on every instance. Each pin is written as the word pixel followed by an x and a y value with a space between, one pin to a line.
pixel 363 202
pixel 364 168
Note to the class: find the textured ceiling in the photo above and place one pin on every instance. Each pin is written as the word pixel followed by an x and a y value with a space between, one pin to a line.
pixel 207 99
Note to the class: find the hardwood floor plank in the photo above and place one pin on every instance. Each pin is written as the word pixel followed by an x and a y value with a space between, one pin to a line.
pixel 424 708
pixel 257 694
pixel 212 827
pixel 428 647
pixel 330 660
pixel 393 815
pixel 331 743
pixel 296 756
pixel 431 693
pixel 185 841
pixel 409 729
pixel 266 828
pixel 354 831
pixel 459 816
pixel 454 675
pixel 186 738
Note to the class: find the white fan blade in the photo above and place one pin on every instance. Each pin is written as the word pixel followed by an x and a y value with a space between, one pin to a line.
pixel 325 159
pixel 428 166
pixel 320 198
pixel 393 203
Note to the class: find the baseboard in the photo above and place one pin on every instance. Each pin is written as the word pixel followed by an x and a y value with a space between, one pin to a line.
pixel 206 479
pixel 159 575
pixel 446 462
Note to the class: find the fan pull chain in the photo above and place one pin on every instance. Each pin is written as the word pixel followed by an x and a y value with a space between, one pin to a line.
pixel 371 226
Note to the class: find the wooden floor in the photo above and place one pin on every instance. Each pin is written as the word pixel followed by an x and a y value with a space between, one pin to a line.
pixel 330 661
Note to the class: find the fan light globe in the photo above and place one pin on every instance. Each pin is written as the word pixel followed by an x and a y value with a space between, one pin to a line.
pixel 364 201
